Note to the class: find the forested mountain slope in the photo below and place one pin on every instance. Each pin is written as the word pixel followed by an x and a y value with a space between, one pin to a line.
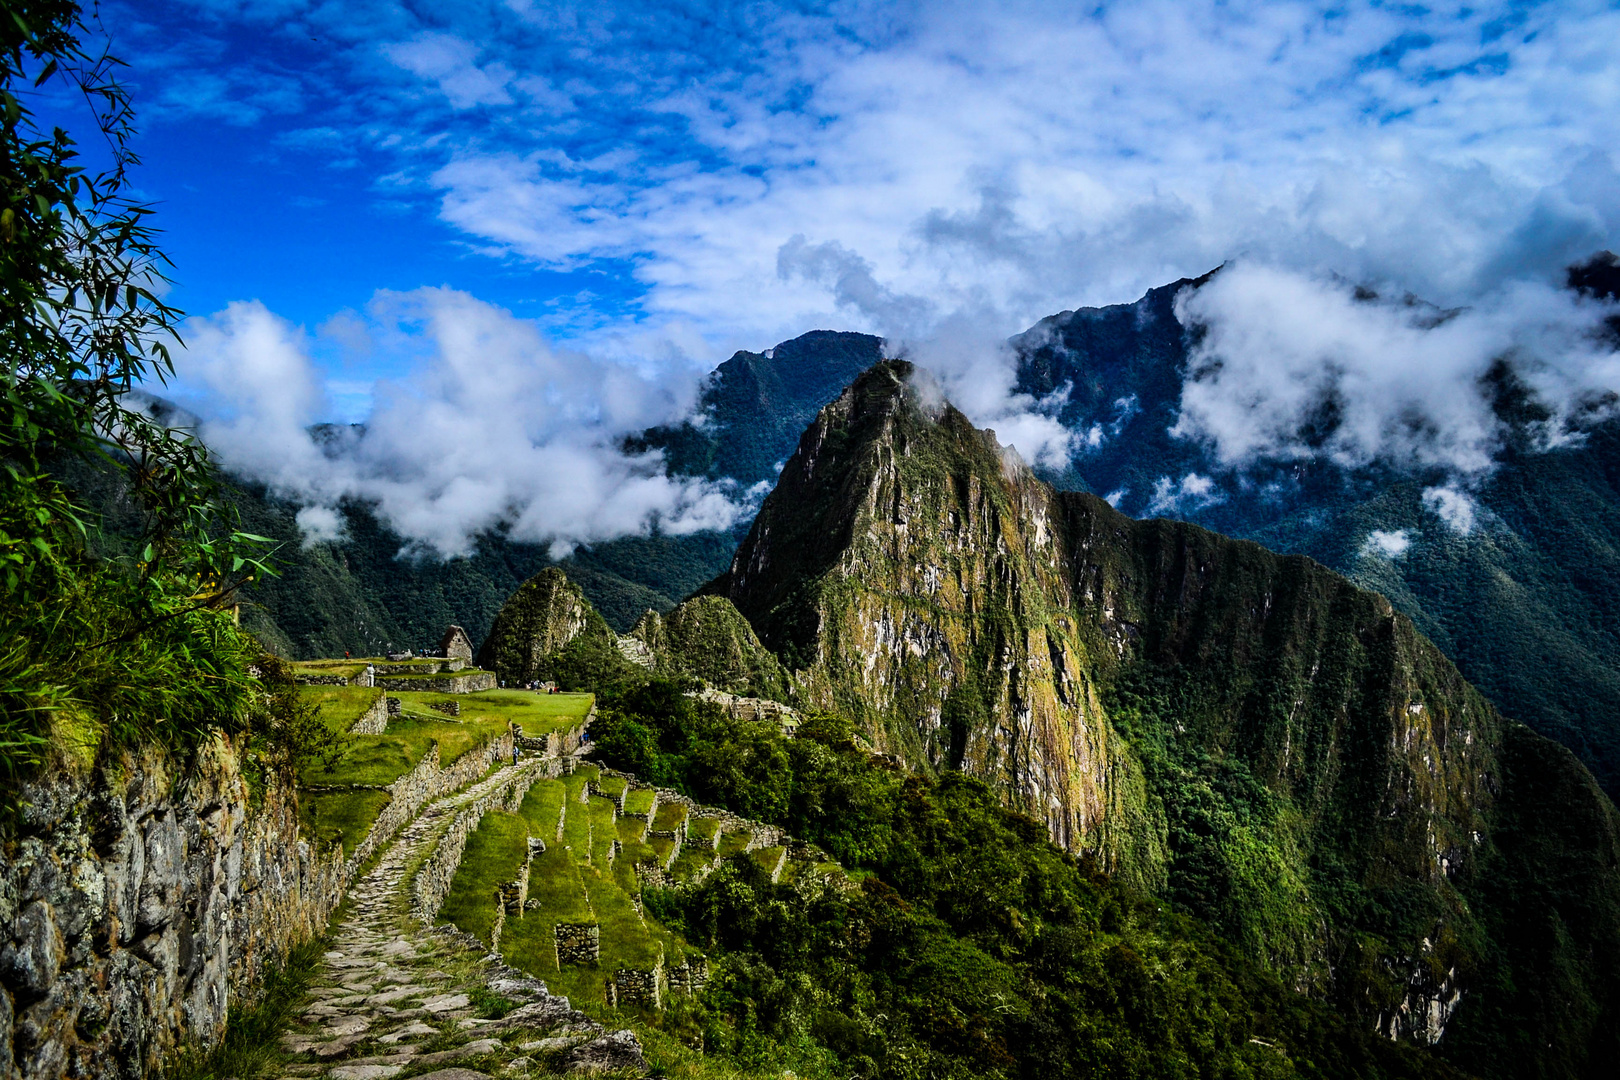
pixel 1246 734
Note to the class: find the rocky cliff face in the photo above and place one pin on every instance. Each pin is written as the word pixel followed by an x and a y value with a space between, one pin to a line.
pixel 137 905
pixel 1245 733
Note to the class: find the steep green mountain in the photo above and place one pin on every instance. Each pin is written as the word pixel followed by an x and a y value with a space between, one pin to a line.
pixel 707 637
pixel 1245 734
pixel 756 404
pixel 1523 604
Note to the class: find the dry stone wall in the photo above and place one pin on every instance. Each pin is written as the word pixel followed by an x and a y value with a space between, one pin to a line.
pixel 636 986
pixel 577 943
pixel 432 882
pixel 375 719
pixel 138 902
pixel 459 683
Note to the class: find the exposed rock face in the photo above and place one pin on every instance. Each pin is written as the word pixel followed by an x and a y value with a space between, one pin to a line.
pixel 544 620
pixel 917 578
pixel 708 637
pixel 1119 679
pixel 136 905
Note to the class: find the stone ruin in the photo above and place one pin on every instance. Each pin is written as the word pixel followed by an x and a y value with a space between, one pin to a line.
pixel 455 645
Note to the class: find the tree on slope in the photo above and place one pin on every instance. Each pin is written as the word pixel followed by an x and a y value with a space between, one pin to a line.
pixel 90 647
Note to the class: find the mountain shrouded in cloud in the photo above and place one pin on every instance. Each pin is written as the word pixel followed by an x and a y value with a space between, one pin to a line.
pixel 641 184
pixel 491 427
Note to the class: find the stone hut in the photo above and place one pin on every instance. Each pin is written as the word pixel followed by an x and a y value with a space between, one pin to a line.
pixel 455 645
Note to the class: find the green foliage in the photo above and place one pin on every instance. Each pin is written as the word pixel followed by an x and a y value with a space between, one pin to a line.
pixel 973 947
pixel 707 638
pixel 663 736
pixel 100 651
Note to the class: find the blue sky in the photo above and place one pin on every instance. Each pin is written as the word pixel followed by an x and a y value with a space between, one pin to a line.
pixel 642 188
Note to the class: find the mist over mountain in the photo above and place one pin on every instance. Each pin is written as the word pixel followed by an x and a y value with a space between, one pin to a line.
pixel 1497 540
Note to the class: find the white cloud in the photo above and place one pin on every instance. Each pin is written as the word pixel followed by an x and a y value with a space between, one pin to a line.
pixel 946 174
pixel 491 425
pixel 321 525
pixel 1292 366
pixel 1191 493
pixel 450 62
pixel 1390 545
pixel 1451 506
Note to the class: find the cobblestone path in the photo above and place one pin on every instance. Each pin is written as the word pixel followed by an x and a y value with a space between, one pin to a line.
pixel 396 998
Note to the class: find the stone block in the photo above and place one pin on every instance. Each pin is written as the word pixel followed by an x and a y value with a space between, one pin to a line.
pixel 578 943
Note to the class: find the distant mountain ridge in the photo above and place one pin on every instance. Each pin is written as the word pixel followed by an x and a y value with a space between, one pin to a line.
pixel 1524 604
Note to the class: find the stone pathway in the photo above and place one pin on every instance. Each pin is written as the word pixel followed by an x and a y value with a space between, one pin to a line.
pixel 395 998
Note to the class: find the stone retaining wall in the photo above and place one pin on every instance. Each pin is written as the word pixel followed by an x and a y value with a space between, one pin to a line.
pixel 470 683
pixel 422 785
pixel 449 708
pixel 690 977
pixel 633 986
pixel 138 901
pixel 577 943
pixel 431 882
pixel 374 721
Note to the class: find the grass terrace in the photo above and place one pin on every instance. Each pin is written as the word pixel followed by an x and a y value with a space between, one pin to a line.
pixel 372 762
pixel 639 803
pixel 670 816
pixel 340 706
pixel 494 855
pixel 343 669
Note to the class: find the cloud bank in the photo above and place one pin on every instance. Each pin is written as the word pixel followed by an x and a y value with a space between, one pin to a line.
pixel 491 425
pixel 1292 366
pixel 945 175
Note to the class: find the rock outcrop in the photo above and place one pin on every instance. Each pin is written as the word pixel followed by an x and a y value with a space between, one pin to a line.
pixel 548 631
pixel 707 637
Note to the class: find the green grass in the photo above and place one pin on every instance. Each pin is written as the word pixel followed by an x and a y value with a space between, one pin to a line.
pixel 632 830
pixel 426 674
pixel 602 832
pixel 343 669
pixel 663 847
pixel 702 830
pixel 340 706
pixel 577 831
pixel 611 786
pixel 538 714
pixel 345 815
pixel 690 861
pixel 554 883
pixel 669 816
pixel 625 941
pixel 767 857
pixel 494 855
pixel 640 801
pixel 734 843
pixel 542 809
